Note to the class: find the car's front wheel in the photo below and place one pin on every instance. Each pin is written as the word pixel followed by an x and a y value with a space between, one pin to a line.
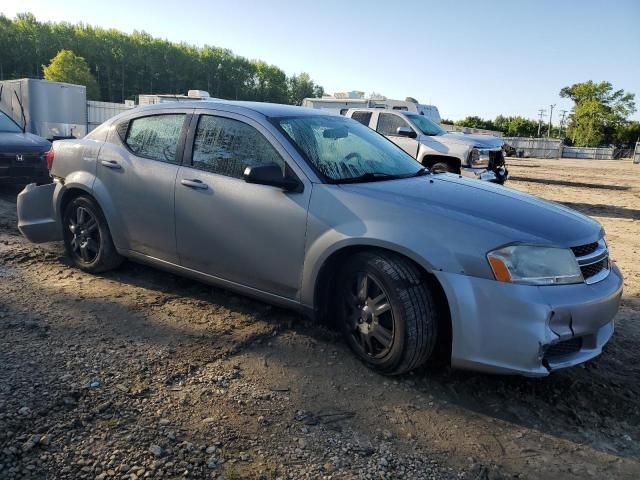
pixel 87 239
pixel 441 167
pixel 387 313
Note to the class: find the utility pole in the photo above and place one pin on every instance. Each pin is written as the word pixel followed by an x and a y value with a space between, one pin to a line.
pixel 563 112
pixel 550 116
pixel 541 113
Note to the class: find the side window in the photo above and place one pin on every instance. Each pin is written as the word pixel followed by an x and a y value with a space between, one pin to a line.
pixel 226 147
pixel 388 124
pixel 362 117
pixel 155 137
pixel 343 111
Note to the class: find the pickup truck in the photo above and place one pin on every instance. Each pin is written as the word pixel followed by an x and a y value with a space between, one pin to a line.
pixel 477 156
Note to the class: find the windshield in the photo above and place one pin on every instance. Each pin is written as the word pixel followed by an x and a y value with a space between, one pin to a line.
pixel 425 125
pixel 342 149
pixel 8 125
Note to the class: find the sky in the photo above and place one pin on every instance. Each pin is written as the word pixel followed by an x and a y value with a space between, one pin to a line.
pixel 482 58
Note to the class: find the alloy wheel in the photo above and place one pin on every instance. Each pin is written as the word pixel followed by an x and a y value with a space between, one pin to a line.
pixel 369 316
pixel 85 241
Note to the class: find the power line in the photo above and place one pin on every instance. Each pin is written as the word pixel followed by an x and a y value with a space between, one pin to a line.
pixel 541 113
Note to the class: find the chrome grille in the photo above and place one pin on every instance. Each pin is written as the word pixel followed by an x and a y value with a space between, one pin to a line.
pixel 593 259
pixel 496 159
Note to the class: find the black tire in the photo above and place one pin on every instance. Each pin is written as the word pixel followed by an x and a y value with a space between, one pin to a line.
pixel 399 338
pixel 441 167
pixel 90 248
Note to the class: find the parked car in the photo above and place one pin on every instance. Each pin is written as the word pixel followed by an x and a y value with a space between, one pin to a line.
pixel 321 214
pixel 22 155
pixel 477 156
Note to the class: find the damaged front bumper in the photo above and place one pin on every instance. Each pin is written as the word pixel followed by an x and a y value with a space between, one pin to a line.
pixel 38 219
pixel 498 175
pixel 529 330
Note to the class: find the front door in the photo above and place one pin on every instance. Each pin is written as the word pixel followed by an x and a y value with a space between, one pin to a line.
pixel 253 235
pixel 388 124
pixel 137 171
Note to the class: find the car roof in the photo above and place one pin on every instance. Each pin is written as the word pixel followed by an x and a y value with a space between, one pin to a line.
pixel 266 109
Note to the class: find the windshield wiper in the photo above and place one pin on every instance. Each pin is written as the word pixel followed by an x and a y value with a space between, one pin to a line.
pixel 368 177
pixel 421 172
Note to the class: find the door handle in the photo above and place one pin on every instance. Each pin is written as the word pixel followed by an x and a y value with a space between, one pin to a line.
pixel 111 164
pixel 195 183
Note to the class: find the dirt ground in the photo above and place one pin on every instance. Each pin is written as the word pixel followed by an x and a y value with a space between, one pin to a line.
pixel 139 373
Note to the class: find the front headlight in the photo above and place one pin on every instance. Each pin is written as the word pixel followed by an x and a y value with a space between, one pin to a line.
pixel 531 265
pixel 479 157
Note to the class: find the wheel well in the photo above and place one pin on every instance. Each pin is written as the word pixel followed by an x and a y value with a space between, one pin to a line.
pixel 430 160
pixel 69 195
pixel 325 291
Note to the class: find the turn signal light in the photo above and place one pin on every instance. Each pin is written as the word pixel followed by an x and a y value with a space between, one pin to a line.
pixel 500 270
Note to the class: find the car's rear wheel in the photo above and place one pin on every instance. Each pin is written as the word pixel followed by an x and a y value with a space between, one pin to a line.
pixel 87 239
pixel 386 311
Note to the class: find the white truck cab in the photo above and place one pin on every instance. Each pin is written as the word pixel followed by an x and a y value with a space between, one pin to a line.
pixel 478 156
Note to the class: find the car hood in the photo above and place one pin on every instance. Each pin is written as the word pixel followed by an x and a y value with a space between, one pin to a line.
pixel 22 143
pixel 482 141
pixel 517 216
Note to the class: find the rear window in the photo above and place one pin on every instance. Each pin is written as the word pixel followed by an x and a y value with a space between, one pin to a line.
pixel 155 137
pixel 363 117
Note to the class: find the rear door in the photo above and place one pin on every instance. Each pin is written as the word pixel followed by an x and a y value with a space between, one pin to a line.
pixel 253 235
pixel 137 171
pixel 388 124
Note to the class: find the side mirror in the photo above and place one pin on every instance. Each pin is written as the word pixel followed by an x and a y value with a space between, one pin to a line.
pixel 271 175
pixel 406 132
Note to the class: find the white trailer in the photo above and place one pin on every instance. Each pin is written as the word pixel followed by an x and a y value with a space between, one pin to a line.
pixel 340 104
pixel 51 110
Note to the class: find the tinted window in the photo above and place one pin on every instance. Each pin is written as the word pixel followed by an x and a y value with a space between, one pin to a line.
pixel 362 117
pixel 155 137
pixel 226 147
pixel 388 124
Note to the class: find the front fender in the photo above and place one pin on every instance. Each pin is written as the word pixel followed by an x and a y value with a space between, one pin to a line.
pixel 330 244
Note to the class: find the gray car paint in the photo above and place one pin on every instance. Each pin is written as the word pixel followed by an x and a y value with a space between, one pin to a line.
pixel 272 244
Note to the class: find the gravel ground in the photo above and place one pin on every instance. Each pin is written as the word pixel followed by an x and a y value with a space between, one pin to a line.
pixel 141 374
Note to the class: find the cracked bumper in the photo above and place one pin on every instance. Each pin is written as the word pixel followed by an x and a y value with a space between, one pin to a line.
pixel 506 328
pixel 37 219
pixel 499 175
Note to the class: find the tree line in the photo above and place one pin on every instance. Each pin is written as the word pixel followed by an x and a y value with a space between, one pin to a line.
pixel 126 65
pixel 600 116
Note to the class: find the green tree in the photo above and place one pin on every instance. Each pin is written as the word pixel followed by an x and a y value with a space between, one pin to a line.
pixel 67 67
pixel 301 87
pixel 126 65
pixel 627 133
pixel 597 113
pixel 476 122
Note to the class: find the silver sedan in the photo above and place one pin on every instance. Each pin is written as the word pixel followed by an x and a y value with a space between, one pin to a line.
pixel 321 214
